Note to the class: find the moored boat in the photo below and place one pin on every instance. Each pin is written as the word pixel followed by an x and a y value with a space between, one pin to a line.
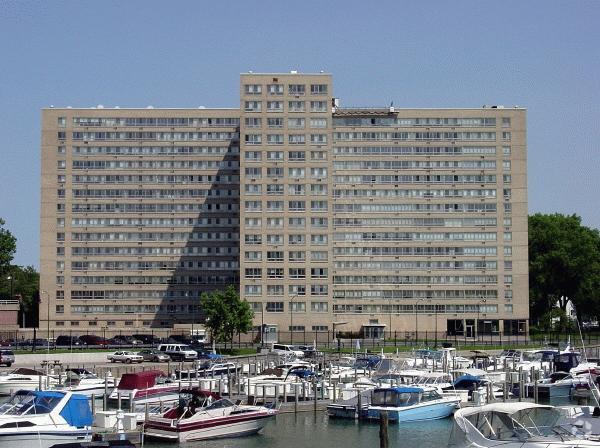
pixel 25 378
pixel 207 416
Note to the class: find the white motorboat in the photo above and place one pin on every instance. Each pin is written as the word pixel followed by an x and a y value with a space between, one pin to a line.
pixel 514 425
pixel 82 381
pixel 411 404
pixel 24 378
pixel 207 416
pixel 44 418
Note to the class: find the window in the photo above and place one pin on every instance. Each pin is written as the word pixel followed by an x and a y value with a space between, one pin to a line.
pixel 296 156
pixel 275 172
pixel 296 256
pixel 274 256
pixel 506 136
pixel 275 273
pixel 298 307
pixel 296 89
pixel 320 328
pixel 274 307
pixel 296 239
pixel 274 290
pixel 274 139
pixel 74 323
pixel 506 178
pixel 60 208
pixel 317 173
pixel 275 89
pixel 318 89
pixel 507 251
pixel 60 265
pixel 507 192
pixel 318 123
pixel 297 328
pixel 297 290
pixel 252 122
pixel 318 206
pixel 274 106
pixel 60 295
pixel 297 273
pixel 253 206
pixel 508 308
pixel 506 122
pixel 296 139
pixel 296 123
pixel 318 189
pixel 318 273
pixel 60 222
pixel 506 165
pixel 274 156
pixel 253 239
pixel 61 178
pixel 318 155
pixel 253 273
pixel 62 135
pixel 253 256
pixel 318 255
pixel 297 222
pixel 61 164
pixel 507 236
pixel 275 206
pixel 507 222
pixel 318 106
pixel 253 173
pixel 319 290
pixel 252 222
pixel 318 239
pixel 318 222
pixel 274 239
pixel 60 251
pixel 62 122
pixel 61 150
pixel 507 265
pixel 253 139
pixel 252 89
pixel 60 236
pixel 507 207
pixel 296 189
pixel 508 279
pixel 60 309
pixel 253 290
pixel 296 206
pixel 252 106
pixel 506 150
pixel 318 139
pixel 252 156
pixel 274 222
pixel 252 188
pixel 508 294
pixel 275 123
pixel 60 280
pixel 296 106
pixel 297 173
pixel 319 307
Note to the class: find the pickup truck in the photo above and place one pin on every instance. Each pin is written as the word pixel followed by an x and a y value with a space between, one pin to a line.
pixel 127 357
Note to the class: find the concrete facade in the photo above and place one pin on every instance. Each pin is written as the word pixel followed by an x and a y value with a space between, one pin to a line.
pixel 378 218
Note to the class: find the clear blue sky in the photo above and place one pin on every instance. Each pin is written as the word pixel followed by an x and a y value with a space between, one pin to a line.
pixel 544 55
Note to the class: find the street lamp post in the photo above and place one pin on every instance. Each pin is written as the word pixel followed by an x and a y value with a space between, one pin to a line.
pixel 47 316
pixel 292 318
pixel 417 319
pixel 435 311
pixel 262 324
pixel 477 321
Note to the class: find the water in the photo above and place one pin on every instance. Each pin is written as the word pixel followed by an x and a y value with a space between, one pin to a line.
pixel 309 430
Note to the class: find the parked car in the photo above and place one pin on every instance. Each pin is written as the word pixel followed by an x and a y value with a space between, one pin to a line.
pixel 283 349
pixel 126 357
pixel 147 338
pixel 180 339
pixel 153 355
pixel 309 351
pixel 178 352
pixel 7 357
pixel 92 339
pixel 67 341
pixel 126 340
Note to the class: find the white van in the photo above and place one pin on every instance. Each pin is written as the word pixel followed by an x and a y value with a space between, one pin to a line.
pixel 282 349
pixel 178 352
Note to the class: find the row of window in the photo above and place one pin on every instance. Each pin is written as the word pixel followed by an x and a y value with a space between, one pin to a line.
pixel 397 121
pixel 415 179
pixel 418 150
pixel 152 179
pixel 151 236
pixel 413 193
pixel 418 279
pixel 123 207
pixel 150 164
pixel 153 150
pixel 415 208
pixel 154 222
pixel 296 172
pixel 415 236
pixel 293 189
pixel 279 273
pixel 450 294
pixel 292 106
pixel 277 239
pixel 293 206
pixel 278 255
pixel 149 193
pixel 213 251
pixel 148 135
pixel 278 156
pixel 410 309
pixel 153 280
pixel 415 165
pixel 278 89
pixel 428 251
pixel 417 265
pixel 278 139
pixel 152 265
pixel 380 136
pixel 292 123
pixel 292 222
pixel 415 222
pixel 118 294
pixel 152 121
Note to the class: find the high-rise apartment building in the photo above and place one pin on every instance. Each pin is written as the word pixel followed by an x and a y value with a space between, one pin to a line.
pixel 377 219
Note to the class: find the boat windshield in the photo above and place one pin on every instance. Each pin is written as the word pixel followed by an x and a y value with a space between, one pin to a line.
pixel 30 404
pixel 219 404
pixel 394 399
pixel 532 356
pixel 522 425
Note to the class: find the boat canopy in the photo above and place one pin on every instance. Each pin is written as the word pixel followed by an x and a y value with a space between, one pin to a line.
pixel 201 393
pixel 139 380
pixel 401 390
pixel 77 411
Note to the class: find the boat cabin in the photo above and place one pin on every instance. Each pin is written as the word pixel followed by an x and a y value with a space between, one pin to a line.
pixel 402 396
pixel 141 380
pixel 564 362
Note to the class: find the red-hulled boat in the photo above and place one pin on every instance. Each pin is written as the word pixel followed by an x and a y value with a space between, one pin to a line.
pixel 202 415
pixel 150 386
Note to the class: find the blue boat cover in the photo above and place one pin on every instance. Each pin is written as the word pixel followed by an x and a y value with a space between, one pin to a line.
pixel 77 411
pixel 302 373
pixel 467 377
pixel 401 390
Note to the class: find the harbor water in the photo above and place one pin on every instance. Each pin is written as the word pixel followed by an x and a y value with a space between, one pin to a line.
pixel 309 430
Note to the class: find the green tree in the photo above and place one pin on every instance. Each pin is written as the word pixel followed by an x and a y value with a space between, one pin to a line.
pixel 226 314
pixel 564 263
pixel 8 246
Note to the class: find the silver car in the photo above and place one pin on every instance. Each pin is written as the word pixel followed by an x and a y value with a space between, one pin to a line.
pixel 7 357
pixel 154 355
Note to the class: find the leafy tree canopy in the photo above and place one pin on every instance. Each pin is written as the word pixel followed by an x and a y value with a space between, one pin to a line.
pixel 226 314
pixel 564 263
pixel 8 246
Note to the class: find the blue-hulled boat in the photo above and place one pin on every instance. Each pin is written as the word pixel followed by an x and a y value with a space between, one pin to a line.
pixel 411 404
